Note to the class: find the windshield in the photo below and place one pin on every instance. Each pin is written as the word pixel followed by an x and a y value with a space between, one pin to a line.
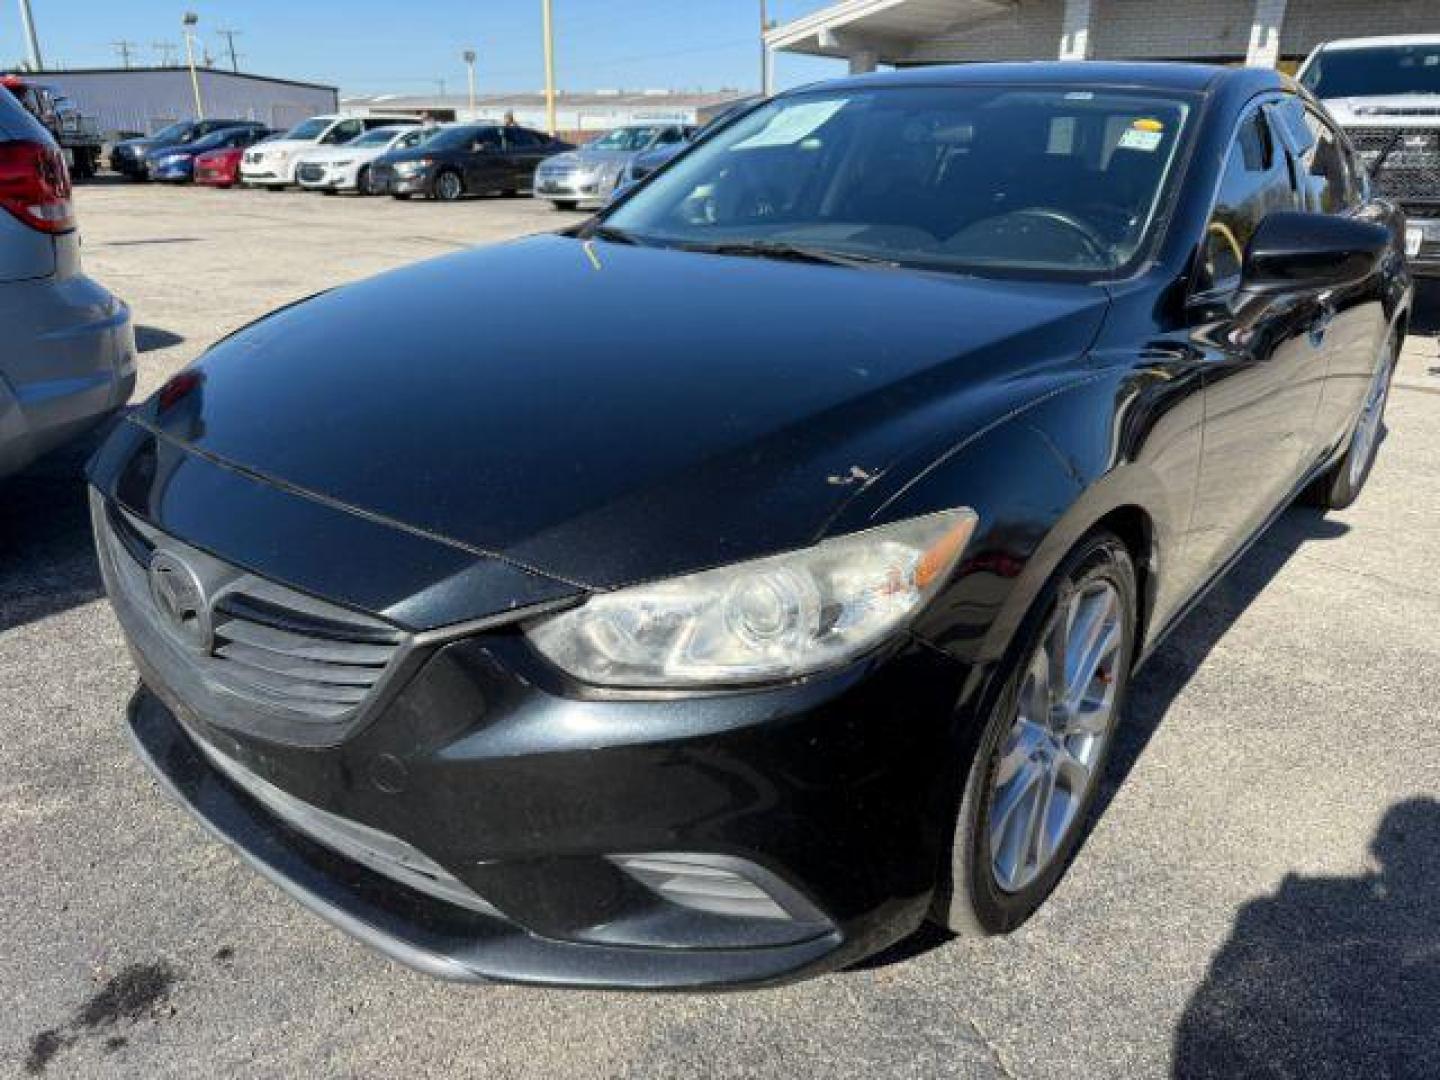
pixel 1374 71
pixel 309 130
pixel 626 138
pixel 213 140
pixel 174 131
pixel 453 138
pixel 377 137
pixel 967 178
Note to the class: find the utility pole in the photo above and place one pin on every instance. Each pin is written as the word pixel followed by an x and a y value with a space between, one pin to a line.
pixel 166 49
pixel 37 62
pixel 767 63
pixel 188 25
pixel 230 36
pixel 469 57
pixel 440 83
pixel 123 49
pixel 549 22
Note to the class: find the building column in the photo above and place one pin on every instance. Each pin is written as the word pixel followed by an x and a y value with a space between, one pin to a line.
pixel 1075 30
pixel 863 61
pixel 1265 33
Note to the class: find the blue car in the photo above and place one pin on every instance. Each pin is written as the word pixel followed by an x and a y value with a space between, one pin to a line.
pixel 176 164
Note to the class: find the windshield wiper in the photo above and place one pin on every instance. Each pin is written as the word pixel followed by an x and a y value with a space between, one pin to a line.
pixel 779 249
pixel 607 232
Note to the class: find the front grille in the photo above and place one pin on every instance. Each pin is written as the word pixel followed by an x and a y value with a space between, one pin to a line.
pixel 254 656
pixel 1404 163
pixel 312 173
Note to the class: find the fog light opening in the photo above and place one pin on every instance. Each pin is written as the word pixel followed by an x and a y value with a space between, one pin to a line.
pixel 718 885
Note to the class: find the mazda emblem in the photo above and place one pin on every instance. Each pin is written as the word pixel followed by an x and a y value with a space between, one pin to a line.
pixel 180 599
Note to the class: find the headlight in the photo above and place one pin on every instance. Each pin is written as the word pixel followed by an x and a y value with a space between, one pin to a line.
pixel 771 619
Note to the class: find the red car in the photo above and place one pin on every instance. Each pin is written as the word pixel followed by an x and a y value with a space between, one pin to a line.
pixel 219 168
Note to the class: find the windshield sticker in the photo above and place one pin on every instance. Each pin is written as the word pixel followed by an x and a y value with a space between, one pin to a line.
pixel 789 127
pixel 1135 139
pixel 1147 124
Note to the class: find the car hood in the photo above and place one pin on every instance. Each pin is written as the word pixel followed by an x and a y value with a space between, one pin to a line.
pixel 1386 110
pixel 607 413
pixel 581 157
pixel 288 146
pixel 341 153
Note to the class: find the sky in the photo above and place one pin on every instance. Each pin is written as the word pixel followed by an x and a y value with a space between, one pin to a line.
pixel 376 46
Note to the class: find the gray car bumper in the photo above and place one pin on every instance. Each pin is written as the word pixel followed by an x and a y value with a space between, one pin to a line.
pixel 69 363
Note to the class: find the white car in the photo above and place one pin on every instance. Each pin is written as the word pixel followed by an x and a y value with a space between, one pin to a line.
pixel 272 164
pixel 347 167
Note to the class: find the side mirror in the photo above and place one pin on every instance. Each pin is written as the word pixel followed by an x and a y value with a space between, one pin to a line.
pixel 1292 250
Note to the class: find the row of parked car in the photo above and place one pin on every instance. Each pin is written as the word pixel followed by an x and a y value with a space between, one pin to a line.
pixel 401 156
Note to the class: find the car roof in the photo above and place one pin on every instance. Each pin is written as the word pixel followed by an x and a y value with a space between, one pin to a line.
pixel 1371 42
pixel 1191 78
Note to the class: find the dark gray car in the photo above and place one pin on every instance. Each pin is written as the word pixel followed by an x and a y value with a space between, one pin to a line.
pixel 67 357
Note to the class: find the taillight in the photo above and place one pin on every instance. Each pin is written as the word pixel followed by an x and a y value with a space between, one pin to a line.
pixel 35 186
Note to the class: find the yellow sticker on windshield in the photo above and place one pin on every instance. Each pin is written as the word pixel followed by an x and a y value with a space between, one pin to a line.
pixel 1146 124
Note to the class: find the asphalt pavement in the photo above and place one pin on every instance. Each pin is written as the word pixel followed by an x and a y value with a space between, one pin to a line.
pixel 1260 895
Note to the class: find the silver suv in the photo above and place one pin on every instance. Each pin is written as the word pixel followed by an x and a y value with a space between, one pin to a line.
pixel 67 349
pixel 1385 93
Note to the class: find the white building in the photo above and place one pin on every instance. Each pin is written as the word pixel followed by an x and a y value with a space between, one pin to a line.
pixel 146 99
pixel 574 113
pixel 910 32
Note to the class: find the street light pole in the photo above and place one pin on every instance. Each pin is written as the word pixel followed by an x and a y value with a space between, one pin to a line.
pixel 37 63
pixel 767 73
pixel 549 66
pixel 469 57
pixel 188 23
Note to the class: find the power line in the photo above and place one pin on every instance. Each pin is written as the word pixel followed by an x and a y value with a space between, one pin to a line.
pixel 167 50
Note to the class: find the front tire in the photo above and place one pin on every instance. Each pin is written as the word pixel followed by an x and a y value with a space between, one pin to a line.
pixel 1030 781
pixel 1342 485
pixel 448 186
pixel 565 204
pixel 362 182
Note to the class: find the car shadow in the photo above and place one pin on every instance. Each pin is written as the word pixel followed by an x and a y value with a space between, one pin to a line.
pixel 1330 977
pixel 1167 673
pixel 150 338
pixel 47 560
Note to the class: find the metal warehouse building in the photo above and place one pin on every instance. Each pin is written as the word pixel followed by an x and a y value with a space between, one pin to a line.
pixel 1266 32
pixel 146 99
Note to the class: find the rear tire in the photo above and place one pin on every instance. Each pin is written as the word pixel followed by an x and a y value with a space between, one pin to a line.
pixel 1342 484
pixel 1031 774
pixel 565 204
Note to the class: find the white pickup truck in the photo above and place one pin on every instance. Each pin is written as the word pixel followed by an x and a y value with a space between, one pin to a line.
pixel 1385 93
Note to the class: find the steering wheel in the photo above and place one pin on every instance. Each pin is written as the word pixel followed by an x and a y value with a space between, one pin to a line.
pixel 1093 240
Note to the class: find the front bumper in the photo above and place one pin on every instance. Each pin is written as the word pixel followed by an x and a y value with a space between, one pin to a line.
pixel 522 790
pixel 576 186
pixel 390 182
pixel 178 173
pixel 326 177
pixel 1426 221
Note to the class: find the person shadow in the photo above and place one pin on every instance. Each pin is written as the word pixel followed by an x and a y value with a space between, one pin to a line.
pixel 1330 977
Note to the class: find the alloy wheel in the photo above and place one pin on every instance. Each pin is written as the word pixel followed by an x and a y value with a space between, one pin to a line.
pixel 448 186
pixel 1064 718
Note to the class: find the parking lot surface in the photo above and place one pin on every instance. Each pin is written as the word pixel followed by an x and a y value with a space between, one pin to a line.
pixel 1260 896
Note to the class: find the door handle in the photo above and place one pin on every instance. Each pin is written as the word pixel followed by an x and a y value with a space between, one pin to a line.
pixel 1322 323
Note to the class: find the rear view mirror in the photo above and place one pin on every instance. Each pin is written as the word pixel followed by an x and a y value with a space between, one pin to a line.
pixel 1292 250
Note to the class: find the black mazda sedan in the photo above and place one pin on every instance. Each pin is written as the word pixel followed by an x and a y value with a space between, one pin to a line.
pixel 712 594
pixel 465 159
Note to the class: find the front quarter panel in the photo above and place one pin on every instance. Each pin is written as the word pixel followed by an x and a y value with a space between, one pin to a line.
pixel 1121 436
